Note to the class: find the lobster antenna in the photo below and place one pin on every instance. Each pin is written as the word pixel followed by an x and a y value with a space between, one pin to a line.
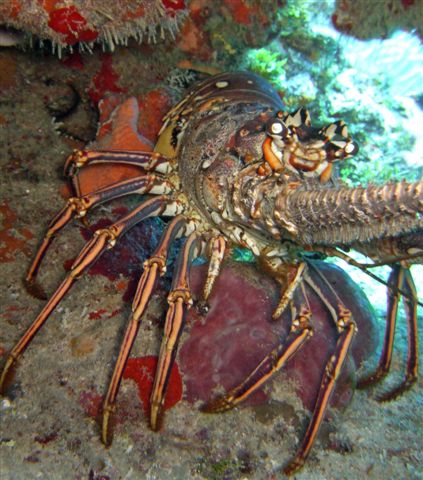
pixel 364 267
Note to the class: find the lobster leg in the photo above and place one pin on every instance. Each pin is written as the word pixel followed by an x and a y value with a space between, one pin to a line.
pixel 400 279
pixel 216 247
pixel 288 293
pixel 410 305
pixel 102 240
pixel 78 207
pixel 179 300
pixel 147 161
pixel 301 331
pixel 346 328
pixel 153 267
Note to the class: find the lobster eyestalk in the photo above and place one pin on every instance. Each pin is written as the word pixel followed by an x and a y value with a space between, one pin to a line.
pixel 318 215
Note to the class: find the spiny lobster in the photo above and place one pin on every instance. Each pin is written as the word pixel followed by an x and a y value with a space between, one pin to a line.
pixel 233 169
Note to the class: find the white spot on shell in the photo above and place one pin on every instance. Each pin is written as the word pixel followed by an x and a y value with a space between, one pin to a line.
pixel 276 128
pixel 349 147
pixel 221 84
pixel 207 163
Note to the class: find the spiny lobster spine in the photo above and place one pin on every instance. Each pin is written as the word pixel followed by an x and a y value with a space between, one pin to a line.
pixel 335 216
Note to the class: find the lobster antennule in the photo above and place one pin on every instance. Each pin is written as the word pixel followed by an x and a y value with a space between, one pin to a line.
pixel 335 216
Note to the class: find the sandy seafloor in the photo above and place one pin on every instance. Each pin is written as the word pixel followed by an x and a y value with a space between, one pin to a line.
pixel 45 430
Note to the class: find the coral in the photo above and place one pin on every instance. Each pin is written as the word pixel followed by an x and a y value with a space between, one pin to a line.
pixel 222 348
pixel 37 153
pixel 363 19
pixel 122 127
pixel 69 22
pixel 268 63
pixel 208 31
pixel 105 80
pixel 141 370
pixel 131 123
pixel 371 85
pixel 66 23
pixel 224 28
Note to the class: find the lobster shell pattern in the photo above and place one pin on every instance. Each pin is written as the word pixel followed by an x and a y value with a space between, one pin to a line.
pixel 233 169
pixel 218 131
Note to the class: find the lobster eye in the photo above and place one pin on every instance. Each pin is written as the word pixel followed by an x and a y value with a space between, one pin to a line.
pixel 351 148
pixel 276 127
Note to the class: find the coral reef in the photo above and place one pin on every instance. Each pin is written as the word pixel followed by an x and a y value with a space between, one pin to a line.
pixel 203 25
pixel 372 85
pixel 63 378
pixel 67 23
pixel 364 19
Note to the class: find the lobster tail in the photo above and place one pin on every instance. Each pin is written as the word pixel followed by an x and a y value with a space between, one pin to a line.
pixel 334 216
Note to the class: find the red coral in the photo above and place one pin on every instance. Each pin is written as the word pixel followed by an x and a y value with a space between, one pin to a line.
pixel 198 11
pixel 137 12
pixel 105 80
pixel 96 315
pixel 407 3
pixel 195 41
pixel 142 371
pixel 72 24
pixel 174 4
pixel 241 12
pixel 153 106
pixel 10 9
